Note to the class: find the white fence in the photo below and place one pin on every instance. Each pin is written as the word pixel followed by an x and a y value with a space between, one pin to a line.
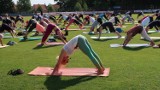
pixel 87 12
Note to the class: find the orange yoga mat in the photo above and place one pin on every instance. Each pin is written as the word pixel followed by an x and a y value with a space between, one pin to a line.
pixel 53 43
pixel 47 71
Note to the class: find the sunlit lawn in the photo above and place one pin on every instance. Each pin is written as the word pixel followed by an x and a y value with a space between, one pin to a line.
pixel 130 68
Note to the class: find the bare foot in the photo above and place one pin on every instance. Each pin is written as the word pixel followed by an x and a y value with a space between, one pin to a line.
pixel 119 36
pixel 155 46
pixel 100 71
pixel 55 70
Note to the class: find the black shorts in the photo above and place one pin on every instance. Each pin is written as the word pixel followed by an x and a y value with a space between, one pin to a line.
pixel 77 22
pixel 108 25
pixel 153 24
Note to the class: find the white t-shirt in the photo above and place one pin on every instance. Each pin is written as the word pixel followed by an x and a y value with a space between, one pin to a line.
pixel 92 19
pixel 74 17
pixel 64 17
pixel 145 22
pixel 112 19
pixel 70 46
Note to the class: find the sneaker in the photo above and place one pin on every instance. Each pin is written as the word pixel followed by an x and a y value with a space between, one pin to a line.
pixel 91 33
pixel 119 36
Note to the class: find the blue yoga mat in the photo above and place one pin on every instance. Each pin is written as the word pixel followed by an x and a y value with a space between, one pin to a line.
pixel 31 38
pixel 7 37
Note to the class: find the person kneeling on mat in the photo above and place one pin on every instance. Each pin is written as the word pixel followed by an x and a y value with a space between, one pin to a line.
pixel 82 43
pixel 135 30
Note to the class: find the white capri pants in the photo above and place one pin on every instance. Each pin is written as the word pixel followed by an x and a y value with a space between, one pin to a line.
pixel 145 35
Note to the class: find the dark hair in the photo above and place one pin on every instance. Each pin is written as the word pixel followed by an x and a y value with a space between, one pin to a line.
pixel 139 21
pixel 33 17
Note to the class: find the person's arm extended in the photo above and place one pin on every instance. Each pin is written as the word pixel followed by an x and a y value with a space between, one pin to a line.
pixel 99 35
pixel 106 17
pixel 12 33
pixel 100 31
pixel 61 37
pixel 62 60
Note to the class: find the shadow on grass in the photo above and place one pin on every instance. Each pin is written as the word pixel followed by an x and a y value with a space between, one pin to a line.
pixel 56 82
pixel 28 40
pixel 103 40
pixel 43 47
pixel 151 32
pixel 91 34
pixel 134 48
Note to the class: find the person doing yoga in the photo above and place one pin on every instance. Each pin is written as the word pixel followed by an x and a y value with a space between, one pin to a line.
pixel 82 43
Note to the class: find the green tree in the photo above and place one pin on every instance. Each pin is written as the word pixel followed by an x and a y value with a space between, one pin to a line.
pixel 84 5
pixel 80 1
pixel 7 6
pixel 78 7
pixel 67 5
pixel 39 8
pixel 50 8
pixel 23 5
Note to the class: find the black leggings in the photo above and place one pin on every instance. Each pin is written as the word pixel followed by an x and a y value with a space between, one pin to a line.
pixel 31 25
pixel 116 20
pixel 6 27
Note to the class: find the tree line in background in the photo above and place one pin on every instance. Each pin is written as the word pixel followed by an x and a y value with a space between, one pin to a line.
pixel 8 6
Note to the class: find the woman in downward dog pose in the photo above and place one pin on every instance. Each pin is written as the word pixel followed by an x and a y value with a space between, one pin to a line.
pixel 135 30
pixel 82 43
pixel 6 26
pixel 57 31
pixel 32 24
pixel 111 29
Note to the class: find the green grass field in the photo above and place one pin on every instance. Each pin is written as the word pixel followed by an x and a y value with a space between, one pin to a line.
pixel 130 68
